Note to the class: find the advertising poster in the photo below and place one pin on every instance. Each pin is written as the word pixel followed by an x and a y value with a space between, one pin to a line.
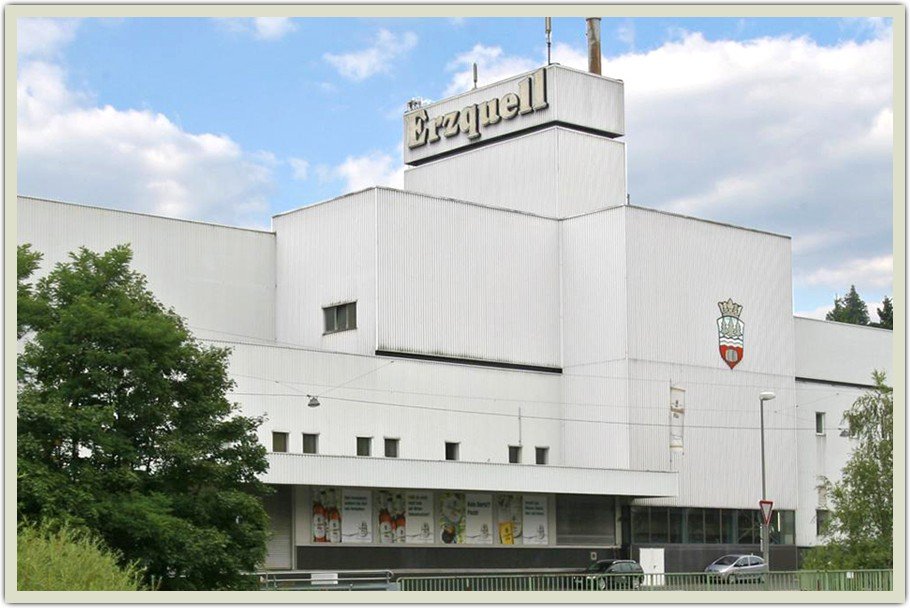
pixel 419 513
pixel 391 520
pixel 356 515
pixel 326 521
pixel 535 521
pixel 478 519
pixel 451 517
pixel 509 518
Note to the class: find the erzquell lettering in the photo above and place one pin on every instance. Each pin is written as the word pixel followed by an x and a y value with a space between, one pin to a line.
pixel 531 97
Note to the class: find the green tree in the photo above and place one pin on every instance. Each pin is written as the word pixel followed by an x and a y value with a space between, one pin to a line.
pixel 885 315
pixel 849 309
pixel 124 427
pixel 859 531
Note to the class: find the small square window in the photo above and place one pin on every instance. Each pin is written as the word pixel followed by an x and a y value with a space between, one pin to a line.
pixel 310 443
pixel 819 423
pixel 514 454
pixel 391 448
pixel 451 451
pixel 542 455
pixel 363 446
pixel 279 442
pixel 340 318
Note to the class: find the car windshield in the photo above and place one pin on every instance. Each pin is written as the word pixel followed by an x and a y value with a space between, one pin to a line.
pixel 595 567
pixel 726 560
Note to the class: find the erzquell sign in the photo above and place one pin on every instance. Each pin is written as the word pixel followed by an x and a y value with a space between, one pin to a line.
pixel 531 96
pixel 553 94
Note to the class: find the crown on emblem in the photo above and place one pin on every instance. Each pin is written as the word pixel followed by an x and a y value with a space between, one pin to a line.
pixel 730 308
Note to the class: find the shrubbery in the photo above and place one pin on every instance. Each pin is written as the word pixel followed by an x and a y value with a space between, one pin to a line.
pixel 63 558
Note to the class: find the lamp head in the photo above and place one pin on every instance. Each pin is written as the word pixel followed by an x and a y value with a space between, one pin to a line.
pixel 766 396
pixel 314 402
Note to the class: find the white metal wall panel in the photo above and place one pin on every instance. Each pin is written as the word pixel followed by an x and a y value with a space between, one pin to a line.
pixel 841 352
pixel 591 172
pixel 821 456
pixel 595 389
pixel 467 281
pixel 720 464
pixel 575 97
pixel 422 404
pixel 556 172
pixel 221 279
pixel 683 267
pixel 519 174
pixel 326 255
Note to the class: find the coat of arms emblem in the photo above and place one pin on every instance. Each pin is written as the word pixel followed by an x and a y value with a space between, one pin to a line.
pixel 730 332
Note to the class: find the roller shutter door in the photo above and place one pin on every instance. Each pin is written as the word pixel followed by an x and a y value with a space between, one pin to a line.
pixel 278 507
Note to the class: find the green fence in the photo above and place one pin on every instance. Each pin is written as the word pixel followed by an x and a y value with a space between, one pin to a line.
pixel 803 580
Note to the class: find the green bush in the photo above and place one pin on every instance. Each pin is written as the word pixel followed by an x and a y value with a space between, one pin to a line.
pixel 63 558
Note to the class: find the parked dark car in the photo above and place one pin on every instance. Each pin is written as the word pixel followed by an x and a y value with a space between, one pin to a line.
pixel 735 568
pixel 611 574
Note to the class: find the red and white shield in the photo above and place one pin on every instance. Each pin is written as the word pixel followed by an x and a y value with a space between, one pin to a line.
pixel 730 329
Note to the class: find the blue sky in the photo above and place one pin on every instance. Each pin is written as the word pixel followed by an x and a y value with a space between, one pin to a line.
pixel 777 124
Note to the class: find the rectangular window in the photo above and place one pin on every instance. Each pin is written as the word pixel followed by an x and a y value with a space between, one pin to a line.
pixel 676 525
pixel 659 528
pixel 340 318
pixel 728 523
pixel 821 522
pixel 819 423
pixel 363 446
pixel 712 526
pixel 451 451
pixel 695 526
pixel 391 448
pixel 310 443
pixel 514 454
pixel 542 455
pixel 640 524
pixel 279 442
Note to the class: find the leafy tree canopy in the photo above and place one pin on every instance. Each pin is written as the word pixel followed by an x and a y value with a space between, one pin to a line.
pixel 124 426
pixel 849 309
pixel 859 532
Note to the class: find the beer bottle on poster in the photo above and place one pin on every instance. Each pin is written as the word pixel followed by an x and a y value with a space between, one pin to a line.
pixel 400 522
pixel 318 519
pixel 386 533
pixel 334 524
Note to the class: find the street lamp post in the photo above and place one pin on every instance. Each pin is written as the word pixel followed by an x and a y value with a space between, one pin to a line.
pixel 765 528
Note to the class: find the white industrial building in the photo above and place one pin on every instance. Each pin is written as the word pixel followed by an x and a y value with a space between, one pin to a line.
pixel 514 367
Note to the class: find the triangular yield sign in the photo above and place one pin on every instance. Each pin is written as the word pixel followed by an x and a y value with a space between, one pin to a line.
pixel 766 507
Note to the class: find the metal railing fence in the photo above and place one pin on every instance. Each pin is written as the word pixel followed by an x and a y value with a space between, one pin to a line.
pixel 803 580
pixel 347 580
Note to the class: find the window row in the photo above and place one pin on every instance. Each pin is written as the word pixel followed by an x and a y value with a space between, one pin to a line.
pixel 311 444
pixel 364 447
pixel 695 525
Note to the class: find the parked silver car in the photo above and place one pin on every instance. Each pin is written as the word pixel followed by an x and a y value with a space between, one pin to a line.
pixel 736 568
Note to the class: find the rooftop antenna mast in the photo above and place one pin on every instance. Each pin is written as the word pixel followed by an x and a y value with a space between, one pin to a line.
pixel 475 75
pixel 549 28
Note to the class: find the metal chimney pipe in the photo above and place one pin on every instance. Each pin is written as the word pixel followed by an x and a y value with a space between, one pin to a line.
pixel 593 35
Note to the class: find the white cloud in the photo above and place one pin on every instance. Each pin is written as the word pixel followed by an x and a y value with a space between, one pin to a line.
pixel 272 28
pixel 262 28
pixel 863 272
pixel 492 65
pixel 816 313
pixel 71 149
pixel 373 169
pixel 376 59
pixel 39 37
pixel 300 168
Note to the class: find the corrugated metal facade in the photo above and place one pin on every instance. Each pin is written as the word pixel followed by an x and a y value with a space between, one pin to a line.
pixel 859 355
pixel 221 279
pixel 556 172
pixel 467 281
pixel 326 255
